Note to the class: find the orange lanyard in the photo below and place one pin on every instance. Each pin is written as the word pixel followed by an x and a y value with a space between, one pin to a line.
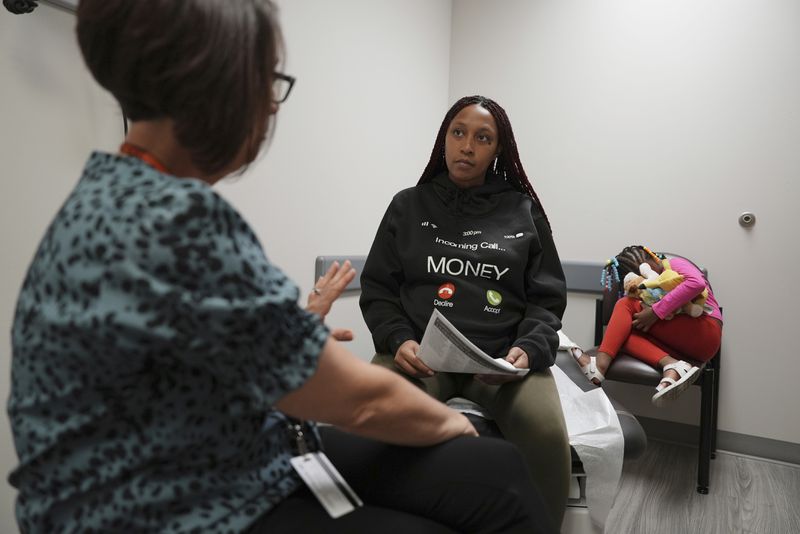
pixel 138 152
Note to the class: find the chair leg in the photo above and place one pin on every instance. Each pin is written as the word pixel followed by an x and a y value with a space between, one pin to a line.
pixel 598 322
pixel 714 410
pixel 706 428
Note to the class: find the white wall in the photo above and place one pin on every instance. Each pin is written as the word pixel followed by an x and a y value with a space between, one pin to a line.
pixel 51 116
pixel 372 86
pixel 623 107
pixel 358 127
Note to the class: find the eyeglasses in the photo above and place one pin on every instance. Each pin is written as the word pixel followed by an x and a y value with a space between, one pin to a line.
pixel 281 86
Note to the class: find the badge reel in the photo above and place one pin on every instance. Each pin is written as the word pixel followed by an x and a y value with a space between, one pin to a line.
pixel 319 474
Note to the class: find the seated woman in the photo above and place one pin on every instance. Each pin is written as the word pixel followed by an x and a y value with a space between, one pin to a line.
pixel 159 357
pixel 472 240
pixel 651 333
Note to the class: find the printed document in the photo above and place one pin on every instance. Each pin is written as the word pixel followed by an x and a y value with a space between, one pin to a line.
pixel 444 348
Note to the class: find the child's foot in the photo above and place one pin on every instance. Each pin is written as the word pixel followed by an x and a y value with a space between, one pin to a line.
pixel 677 378
pixel 594 365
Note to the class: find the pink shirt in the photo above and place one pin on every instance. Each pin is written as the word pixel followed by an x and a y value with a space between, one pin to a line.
pixel 693 284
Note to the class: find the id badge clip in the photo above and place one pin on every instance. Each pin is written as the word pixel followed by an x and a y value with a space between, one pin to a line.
pixel 319 474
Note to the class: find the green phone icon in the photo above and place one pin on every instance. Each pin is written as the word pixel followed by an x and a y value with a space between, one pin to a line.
pixel 494 297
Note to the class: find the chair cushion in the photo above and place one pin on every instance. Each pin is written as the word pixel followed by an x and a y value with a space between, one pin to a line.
pixel 628 369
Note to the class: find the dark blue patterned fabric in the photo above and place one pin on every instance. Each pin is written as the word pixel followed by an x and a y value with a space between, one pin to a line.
pixel 151 339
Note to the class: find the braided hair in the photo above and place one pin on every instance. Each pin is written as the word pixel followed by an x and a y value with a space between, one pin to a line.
pixel 626 261
pixel 506 165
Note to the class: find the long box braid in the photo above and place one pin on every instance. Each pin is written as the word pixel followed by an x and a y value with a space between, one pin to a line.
pixel 507 164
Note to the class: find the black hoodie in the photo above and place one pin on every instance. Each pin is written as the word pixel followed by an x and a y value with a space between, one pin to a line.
pixel 483 256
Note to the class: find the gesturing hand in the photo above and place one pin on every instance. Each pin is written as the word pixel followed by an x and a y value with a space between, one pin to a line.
pixel 516 357
pixel 406 360
pixel 329 287
pixel 645 319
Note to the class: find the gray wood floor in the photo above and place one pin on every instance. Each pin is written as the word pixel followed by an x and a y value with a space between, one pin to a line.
pixel 747 495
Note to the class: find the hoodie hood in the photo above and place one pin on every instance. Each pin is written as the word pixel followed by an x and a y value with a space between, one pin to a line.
pixel 472 201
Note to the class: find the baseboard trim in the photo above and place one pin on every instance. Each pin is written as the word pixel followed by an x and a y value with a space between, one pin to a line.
pixel 782 451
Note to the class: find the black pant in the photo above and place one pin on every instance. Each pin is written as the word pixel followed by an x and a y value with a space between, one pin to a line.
pixel 465 485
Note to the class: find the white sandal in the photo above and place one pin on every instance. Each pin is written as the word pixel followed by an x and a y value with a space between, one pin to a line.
pixel 687 373
pixel 589 370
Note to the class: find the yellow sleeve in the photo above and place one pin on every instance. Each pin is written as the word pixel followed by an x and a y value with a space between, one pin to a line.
pixel 667 280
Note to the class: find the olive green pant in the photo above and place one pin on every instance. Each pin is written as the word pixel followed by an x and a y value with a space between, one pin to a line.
pixel 528 413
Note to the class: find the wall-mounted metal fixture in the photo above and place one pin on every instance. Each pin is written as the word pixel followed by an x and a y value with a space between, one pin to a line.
pixel 20 7
pixel 747 219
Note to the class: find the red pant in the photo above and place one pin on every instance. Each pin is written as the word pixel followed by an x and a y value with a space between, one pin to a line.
pixel 682 336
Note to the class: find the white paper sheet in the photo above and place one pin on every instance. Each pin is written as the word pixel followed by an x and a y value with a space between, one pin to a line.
pixel 444 348
pixel 595 433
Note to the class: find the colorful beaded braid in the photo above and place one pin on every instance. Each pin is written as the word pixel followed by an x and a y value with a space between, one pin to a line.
pixel 606 279
pixel 653 255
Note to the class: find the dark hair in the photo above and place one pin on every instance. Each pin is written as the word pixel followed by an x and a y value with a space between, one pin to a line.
pixel 507 163
pixel 626 261
pixel 205 64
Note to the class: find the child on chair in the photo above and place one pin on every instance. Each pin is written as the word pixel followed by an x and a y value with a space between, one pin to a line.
pixel 650 287
pixel 643 331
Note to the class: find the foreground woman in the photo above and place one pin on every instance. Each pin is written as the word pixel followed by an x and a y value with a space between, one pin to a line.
pixel 158 354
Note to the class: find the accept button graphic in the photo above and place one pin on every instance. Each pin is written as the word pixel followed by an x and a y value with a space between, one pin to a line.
pixel 494 297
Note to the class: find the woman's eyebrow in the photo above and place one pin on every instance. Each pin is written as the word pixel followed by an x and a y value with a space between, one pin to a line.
pixel 482 128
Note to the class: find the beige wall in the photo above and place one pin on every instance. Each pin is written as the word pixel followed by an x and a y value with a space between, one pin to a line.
pixel 660 122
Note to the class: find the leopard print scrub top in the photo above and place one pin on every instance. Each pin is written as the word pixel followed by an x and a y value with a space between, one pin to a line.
pixel 151 339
